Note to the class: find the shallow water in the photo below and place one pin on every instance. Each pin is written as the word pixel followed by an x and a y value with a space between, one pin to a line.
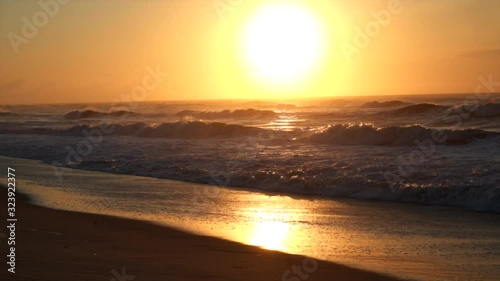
pixel 406 240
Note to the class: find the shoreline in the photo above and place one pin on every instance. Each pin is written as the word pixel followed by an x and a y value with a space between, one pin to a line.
pixel 291 194
pixel 61 245
pixel 405 241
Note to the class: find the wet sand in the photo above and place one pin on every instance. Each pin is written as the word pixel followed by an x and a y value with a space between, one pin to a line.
pixel 63 245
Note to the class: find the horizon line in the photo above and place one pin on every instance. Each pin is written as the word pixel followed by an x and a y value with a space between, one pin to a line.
pixel 244 99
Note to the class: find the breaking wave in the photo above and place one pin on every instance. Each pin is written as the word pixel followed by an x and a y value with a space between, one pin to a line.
pixel 481 111
pixel 196 129
pixel 478 198
pixel 340 134
pixel 364 134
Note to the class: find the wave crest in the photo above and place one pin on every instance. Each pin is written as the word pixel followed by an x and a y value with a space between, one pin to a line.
pixel 364 134
pixel 194 130
pixel 481 111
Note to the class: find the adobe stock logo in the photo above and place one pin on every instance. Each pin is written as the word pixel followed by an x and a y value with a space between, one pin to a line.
pixel 301 272
pixel 224 6
pixel 121 277
pixel 94 136
pixel 31 27
pixel 364 36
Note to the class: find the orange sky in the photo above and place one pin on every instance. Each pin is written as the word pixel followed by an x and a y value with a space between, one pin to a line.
pixel 93 51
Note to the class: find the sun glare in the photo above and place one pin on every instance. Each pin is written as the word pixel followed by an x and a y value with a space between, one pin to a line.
pixel 270 235
pixel 282 43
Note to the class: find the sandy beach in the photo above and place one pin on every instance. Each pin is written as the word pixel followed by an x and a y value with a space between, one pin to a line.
pixel 61 245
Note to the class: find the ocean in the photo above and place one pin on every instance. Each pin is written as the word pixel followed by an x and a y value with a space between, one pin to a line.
pixel 429 149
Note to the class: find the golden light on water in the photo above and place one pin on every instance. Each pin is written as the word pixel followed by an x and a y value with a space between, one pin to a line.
pixel 285 122
pixel 270 228
pixel 270 235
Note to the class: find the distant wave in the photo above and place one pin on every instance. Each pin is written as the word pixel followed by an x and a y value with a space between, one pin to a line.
pixel 195 130
pixel 416 109
pixel 180 129
pixel 77 114
pixel 224 114
pixel 394 135
pixel 345 134
pixel 5 113
pixel 481 111
pixel 376 104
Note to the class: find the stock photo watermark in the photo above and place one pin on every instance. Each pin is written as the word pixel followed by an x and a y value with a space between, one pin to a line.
pixel 222 7
pixel 11 219
pixel 302 271
pixel 121 276
pixel 223 178
pixel 95 136
pixel 364 36
pixel 31 26
pixel 427 148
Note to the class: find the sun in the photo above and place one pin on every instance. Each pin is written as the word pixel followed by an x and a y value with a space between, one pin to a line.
pixel 282 43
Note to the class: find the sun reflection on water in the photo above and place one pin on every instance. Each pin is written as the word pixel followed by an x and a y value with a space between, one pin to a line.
pixel 285 122
pixel 269 227
pixel 270 235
